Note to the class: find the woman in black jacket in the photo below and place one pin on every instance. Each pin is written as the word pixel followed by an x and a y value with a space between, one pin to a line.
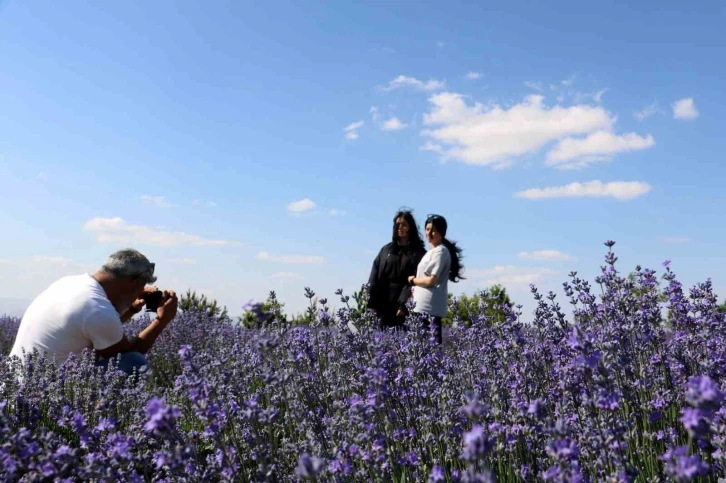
pixel 388 288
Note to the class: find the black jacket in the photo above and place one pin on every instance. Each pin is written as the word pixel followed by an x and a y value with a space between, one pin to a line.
pixel 388 281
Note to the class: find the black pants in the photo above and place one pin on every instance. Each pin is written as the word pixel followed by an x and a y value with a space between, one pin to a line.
pixel 389 319
pixel 428 320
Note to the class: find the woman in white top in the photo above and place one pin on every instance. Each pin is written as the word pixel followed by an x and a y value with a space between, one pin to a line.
pixel 440 264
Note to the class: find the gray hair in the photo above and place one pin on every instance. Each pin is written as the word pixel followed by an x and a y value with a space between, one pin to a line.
pixel 129 263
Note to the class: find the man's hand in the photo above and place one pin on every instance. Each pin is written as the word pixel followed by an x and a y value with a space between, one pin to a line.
pixel 400 313
pixel 139 303
pixel 167 310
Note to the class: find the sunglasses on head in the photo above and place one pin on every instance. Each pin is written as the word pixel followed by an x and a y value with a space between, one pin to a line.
pixel 433 218
pixel 148 274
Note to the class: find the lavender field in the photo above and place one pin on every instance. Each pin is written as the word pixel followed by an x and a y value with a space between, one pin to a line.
pixel 632 392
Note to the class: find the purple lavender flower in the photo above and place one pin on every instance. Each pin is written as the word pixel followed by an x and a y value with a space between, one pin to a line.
pixel 161 417
pixel 437 474
pixel 473 408
pixel 476 444
pixel 309 467
pixel 537 409
pixel 702 391
pixel 694 421
pixel 552 398
pixel 683 467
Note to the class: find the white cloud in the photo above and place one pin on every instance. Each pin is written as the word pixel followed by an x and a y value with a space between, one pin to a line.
pixel 537 86
pixel 334 212
pixel 301 206
pixel 473 75
pixel 116 230
pixel 393 124
pixel 210 204
pixel 502 165
pixel 50 264
pixel 405 81
pixel 685 109
pixel 646 112
pixel 292 259
pixel 159 201
pixel 675 239
pixel 42 176
pixel 620 190
pixel 598 146
pixel 598 95
pixel 286 276
pixel 49 260
pixel 355 125
pixel 508 275
pixel 475 135
pixel 374 113
pixel 544 255
pixel 578 96
pixel 351 130
pixel 429 146
pixel 183 261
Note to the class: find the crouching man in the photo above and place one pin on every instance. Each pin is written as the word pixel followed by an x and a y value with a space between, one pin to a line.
pixel 87 311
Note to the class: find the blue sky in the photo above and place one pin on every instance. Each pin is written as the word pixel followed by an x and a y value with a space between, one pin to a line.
pixel 216 137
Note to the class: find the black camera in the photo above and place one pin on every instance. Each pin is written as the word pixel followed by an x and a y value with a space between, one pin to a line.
pixel 153 300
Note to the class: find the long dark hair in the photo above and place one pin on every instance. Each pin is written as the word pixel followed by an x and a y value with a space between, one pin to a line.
pixel 414 236
pixel 441 226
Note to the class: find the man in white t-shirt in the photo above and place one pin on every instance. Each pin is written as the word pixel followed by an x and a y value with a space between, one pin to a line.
pixel 87 311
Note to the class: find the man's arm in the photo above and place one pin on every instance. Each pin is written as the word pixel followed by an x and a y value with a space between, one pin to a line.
pixel 140 343
pixel 146 338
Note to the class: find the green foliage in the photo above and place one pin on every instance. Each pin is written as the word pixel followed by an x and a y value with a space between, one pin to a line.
pixel 313 312
pixel 488 303
pixel 361 303
pixel 267 313
pixel 191 302
pixel 639 290
pixel 662 295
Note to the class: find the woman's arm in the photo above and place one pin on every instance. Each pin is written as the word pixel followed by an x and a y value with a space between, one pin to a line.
pixel 373 279
pixel 426 282
pixel 437 267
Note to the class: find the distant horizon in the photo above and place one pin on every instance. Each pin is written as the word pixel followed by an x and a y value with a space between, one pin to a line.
pixel 334 302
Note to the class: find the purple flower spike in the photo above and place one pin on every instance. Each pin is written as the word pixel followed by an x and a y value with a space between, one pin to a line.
pixel 536 409
pixel 683 467
pixel 309 467
pixel 476 444
pixel 702 391
pixel 161 417
pixel 437 474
